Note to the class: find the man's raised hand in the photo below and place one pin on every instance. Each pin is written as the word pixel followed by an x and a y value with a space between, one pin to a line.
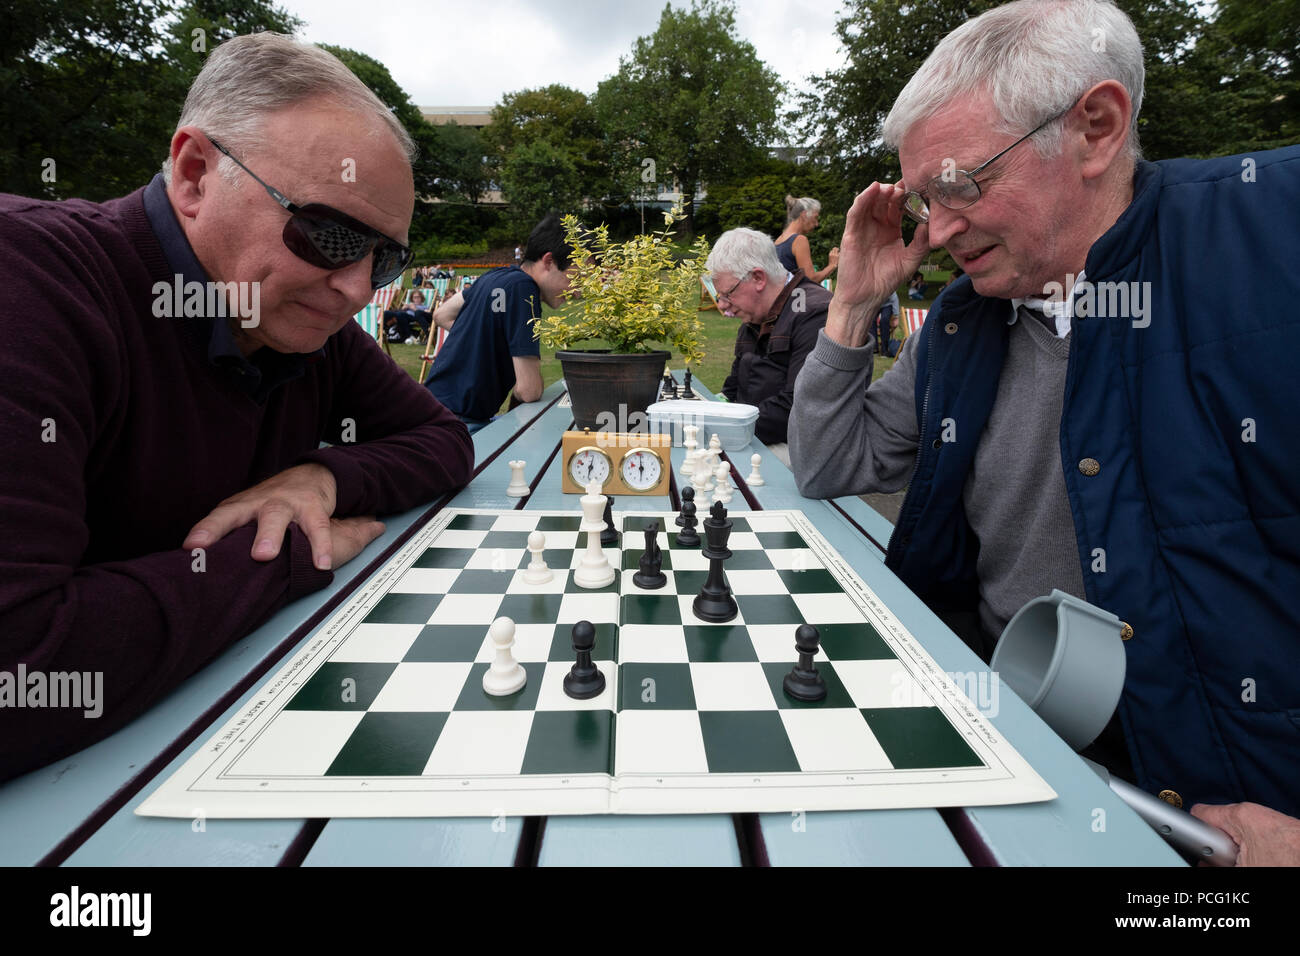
pixel 873 261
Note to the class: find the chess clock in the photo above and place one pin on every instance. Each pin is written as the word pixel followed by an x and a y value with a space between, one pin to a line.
pixel 624 464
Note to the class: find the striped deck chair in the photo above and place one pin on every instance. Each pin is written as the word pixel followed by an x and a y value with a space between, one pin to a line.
pixel 439 290
pixel 828 285
pixel 371 316
pixel 912 320
pixel 708 295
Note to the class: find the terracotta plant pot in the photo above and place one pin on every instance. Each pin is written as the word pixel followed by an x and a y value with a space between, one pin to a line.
pixel 608 388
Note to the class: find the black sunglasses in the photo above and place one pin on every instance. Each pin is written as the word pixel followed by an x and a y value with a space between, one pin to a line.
pixel 330 239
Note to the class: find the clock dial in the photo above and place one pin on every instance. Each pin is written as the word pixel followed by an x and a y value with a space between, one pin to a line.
pixel 590 464
pixel 640 469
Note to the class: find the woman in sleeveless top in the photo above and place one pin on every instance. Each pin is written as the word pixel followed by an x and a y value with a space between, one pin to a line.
pixel 801 217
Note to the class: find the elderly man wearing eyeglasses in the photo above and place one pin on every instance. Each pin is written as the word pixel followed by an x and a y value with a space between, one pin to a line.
pixel 164 488
pixel 1070 415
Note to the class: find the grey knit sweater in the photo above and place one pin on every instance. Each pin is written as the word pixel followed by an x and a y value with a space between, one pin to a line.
pixel 841 444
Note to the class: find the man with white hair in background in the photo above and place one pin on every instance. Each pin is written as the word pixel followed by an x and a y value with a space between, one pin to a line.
pixel 1070 416
pixel 164 488
pixel 781 316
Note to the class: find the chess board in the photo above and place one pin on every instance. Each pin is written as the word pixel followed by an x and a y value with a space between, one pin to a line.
pixel 382 711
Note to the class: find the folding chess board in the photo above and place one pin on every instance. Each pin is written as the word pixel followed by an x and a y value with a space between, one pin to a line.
pixel 382 712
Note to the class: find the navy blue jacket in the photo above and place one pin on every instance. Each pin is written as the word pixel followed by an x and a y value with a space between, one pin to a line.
pixel 1180 443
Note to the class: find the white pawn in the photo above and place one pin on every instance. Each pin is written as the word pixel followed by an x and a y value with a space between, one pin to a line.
pixel 723 491
pixel 594 570
pixel 518 487
pixel 754 477
pixel 700 474
pixel 506 675
pixel 537 572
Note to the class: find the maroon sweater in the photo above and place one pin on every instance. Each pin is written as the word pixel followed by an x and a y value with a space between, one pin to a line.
pixel 117 435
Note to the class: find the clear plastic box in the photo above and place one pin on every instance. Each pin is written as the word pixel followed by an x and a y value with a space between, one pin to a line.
pixel 732 423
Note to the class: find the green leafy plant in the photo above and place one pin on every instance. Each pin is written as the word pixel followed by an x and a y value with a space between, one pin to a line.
pixel 631 294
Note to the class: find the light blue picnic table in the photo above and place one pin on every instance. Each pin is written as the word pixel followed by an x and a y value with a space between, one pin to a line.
pixel 79 810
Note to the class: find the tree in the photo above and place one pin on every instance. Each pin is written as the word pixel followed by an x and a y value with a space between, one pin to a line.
pixel 89 97
pixel 1202 94
pixel 541 133
pixel 692 104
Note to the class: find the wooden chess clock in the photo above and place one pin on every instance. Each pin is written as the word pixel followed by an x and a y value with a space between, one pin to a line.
pixel 623 464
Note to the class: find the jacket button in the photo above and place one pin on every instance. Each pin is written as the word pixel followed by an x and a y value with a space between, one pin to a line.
pixel 1170 797
pixel 907 539
pixel 1089 466
pixel 1126 630
pixel 938 443
pixel 951 328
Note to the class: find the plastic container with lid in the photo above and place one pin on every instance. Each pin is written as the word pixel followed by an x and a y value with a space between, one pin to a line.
pixel 731 422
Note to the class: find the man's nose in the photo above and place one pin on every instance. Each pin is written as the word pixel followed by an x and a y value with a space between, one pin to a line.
pixel 353 281
pixel 945 224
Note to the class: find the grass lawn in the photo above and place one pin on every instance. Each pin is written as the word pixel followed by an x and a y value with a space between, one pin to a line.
pixel 719 342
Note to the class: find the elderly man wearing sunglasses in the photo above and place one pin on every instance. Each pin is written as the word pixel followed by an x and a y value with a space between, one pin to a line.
pixel 164 488
pixel 1070 415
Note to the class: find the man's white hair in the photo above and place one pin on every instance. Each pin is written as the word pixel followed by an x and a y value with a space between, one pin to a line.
pixel 1036 58
pixel 738 252
pixel 249 77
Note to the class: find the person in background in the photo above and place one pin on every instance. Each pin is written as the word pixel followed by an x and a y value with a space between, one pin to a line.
pixel 916 288
pixel 886 322
pixel 490 348
pixel 792 248
pixel 781 314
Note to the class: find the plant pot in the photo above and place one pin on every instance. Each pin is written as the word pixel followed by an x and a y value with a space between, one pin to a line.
pixel 608 388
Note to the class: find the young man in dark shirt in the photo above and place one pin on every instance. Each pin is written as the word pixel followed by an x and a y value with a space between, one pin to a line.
pixel 491 349
pixel 164 489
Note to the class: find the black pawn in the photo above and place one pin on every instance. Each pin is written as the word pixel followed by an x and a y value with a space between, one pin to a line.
pixel 687 537
pixel 608 536
pixel 584 681
pixel 715 603
pixel 686 382
pixel 804 683
pixel 650 576
pixel 688 494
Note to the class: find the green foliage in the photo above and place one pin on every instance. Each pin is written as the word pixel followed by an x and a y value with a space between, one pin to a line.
pixel 435 249
pixel 693 98
pixel 1212 87
pixel 545 141
pixel 540 177
pixel 97 86
pixel 631 293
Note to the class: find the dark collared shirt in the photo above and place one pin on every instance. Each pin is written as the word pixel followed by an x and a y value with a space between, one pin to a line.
pixel 259 374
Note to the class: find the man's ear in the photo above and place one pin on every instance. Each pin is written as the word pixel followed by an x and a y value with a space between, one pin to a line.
pixel 1100 122
pixel 194 158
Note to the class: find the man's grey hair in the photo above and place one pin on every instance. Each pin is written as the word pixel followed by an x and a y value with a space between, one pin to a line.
pixel 249 77
pixel 738 252
pixel 794 208
pixel 1036 58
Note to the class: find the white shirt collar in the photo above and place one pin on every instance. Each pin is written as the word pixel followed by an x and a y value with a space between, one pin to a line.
pixel 1062 311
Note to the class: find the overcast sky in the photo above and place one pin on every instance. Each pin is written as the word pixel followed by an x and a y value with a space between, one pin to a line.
pixel 468 54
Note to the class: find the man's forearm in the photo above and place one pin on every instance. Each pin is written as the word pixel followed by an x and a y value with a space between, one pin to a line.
pixel 137 628
pixel 844 440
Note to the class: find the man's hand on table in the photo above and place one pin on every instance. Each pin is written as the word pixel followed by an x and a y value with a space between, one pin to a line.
pixel 305 495
pixel 1264 837
pixel 873 261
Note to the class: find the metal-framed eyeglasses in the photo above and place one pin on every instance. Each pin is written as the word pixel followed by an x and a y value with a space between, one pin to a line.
pixel 958 188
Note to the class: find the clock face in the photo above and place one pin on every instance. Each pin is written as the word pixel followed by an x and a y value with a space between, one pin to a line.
pixel 640 469
pixel 590 464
